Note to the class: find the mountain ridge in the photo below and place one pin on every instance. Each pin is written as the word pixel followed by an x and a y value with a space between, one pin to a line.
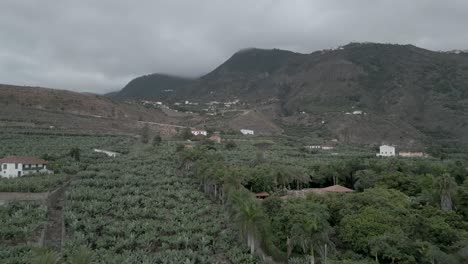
pixel 412 93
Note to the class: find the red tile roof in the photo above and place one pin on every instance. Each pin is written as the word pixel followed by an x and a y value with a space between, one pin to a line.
pixel 262 194
pixel 335 188
pixel 329 189
pixel 23 160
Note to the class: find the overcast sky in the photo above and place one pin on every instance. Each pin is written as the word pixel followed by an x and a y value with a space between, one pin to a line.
pixel 100 45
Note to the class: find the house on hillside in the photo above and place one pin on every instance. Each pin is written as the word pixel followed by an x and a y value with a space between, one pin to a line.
pixel 215 138
pixel 13 166
pixel 319 147
pixel 313 147
pixel 107 152
pixel 386 151
pixel 247 132
pixel 197 132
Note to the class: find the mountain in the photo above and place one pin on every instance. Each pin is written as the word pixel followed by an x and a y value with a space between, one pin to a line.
pixel 251 62
pixel 38 107
pixel 153 86
pixel 407 94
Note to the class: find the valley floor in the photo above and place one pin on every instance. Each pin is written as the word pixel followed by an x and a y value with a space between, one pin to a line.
pixel 135 208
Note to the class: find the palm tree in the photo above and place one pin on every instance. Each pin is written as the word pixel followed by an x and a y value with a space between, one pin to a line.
pixel 188 159
pixel 309 229
pixel 247 214
pixel 446 186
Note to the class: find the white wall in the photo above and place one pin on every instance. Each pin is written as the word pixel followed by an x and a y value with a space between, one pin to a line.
pixel 386 151
pixel 108 153
pixel 247 131
pixel 11 170
pixel 199 132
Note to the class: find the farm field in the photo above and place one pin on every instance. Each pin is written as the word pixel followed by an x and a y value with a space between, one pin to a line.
pixel 160 202
pixel 21 226
pixel 138 208
pixel 133 209
pixel 55 148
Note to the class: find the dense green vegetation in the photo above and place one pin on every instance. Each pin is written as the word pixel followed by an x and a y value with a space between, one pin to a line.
pixel 20 223
pixel 19 220
pixel 132 209
pixel 144 207
pixel 54 146
pixel 61 151
pixel 32 183
pixel 404 210
pixel 138 209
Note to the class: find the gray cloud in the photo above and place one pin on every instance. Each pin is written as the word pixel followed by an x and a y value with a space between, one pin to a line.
pixel 98 46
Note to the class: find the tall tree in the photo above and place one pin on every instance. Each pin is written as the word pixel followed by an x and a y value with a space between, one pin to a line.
pixel 461 202
pixel 307 227
pixel 157 140
pixel 186 133
pixel 446 186
pixel 75 153
pixel 248 214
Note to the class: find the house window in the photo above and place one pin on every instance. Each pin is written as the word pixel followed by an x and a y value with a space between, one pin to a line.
pixel 4 166
pixel 16 166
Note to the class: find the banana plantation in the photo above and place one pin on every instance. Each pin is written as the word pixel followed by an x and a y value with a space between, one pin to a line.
pixel 163 203
pixel 138 209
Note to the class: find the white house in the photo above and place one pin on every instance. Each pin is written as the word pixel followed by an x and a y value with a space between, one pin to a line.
pixel 247 132
pixel 314 147
pixel 13 166
pixel 107 152
pixel 357 112
pixel 386 151
pixel 197 132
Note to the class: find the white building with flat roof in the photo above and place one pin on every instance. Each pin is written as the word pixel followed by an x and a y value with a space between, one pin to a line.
pixel 247 132
pixel 197 132
pixel 386 151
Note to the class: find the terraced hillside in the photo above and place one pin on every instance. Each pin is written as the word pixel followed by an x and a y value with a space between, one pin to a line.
pixel 408 96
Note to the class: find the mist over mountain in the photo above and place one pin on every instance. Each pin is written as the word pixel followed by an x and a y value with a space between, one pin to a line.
pixel 407 93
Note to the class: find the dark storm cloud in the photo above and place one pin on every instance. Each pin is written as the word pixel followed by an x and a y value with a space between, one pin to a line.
pixel 98 46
